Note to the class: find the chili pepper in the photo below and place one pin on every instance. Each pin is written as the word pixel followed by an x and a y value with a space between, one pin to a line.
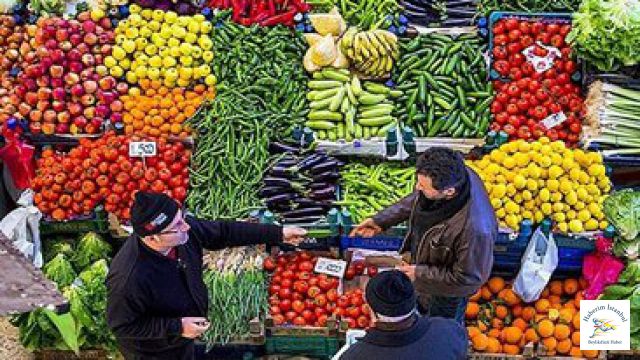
pixel 301 6
pixel 238 9
pixel 271 8
pixel 284 19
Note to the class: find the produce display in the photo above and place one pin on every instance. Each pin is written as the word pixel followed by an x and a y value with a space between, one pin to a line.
pixel 545 179
pixel 628 288
pixel 539 96
pixel 532 6
pixel 155 110
pixel 237 293
pixel 263 12
pixel 499 322
pixel 342 109
pixel 301 188
pixel 159 45
pixel 605 33
pixel 60 89
pixel 365 14
pixel 258 99
pixel 81 278
pixel 444 80
pixel 372 53
pixel 365 190
pixel 612 118
pixel 182 7
pixel 622 210
pixel 12 38
pixel 101 172
pixel 450 13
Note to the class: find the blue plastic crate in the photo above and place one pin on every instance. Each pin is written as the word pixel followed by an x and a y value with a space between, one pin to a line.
pixel 382 243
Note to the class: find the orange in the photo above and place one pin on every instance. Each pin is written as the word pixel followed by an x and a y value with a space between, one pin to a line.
pixel 512 335
pixel 495 333
pixel 531 336
pixel 497 323
pixel 562 332
pixel 502 312
pixel 473 331
pixel 555 287
pixel 528 313
pixel 516 311
pixel 509 297
pixel 493 346
pixel 546 328
pixel 564 346
pixel 521 324
pixel 575 338
pixel 496 284
pixel 566 315
pixel 579 296
pixel 511 349
pixel 555 299
pixel 482 326
pixel 480 342
pixel 575 352
pixel 576 321
pixel 542 306
pixel 550 345
pixel 590 354
pixel 584 284
pixel 544 294
pixel 571 286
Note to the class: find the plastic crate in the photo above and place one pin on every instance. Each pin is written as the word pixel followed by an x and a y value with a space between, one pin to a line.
pixel 97 223
pixel 314 346
pixel 382 243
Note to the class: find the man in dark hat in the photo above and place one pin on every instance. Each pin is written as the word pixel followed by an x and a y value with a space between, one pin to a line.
pixel 398 331
pixel 452 229
pixel 157 300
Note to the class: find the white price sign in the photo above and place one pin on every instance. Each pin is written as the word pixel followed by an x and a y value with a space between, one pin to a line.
pixel 331 267
pixel 142 149
pixel 554 120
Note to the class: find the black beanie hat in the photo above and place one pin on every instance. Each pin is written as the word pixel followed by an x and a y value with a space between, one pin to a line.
pixel 391 293
pixel 151 213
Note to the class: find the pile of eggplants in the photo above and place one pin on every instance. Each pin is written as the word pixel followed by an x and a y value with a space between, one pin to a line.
pixel 301 186
pixel 445 13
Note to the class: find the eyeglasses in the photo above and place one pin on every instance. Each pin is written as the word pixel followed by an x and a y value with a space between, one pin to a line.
pixel 180 226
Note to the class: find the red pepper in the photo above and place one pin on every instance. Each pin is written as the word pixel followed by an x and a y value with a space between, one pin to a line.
pixel 261 12
pixel 284 19
pixel 238 10
pixel 271 8
pixel 253 8
pixel 227 4
pixel 301 5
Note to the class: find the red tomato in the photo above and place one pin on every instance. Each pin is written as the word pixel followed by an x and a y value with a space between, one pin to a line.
pixel 363 322
pixel 269 264
pixel 305 266
pixel 285 305
pixel 275 309
pixel 308 316
pixel 303 275
pixel 332 295
pixel 372 270
pixel 297 306
pixel 511 24
pixel 353 312
pixel 351 322
pixel 309 304
pixel 500 40
pixel 500 52
pixel 284 293
pixel 319 312
pixel 499 28
pixel 290 315
pixel 322 320
pixel 313 281
pixel 356 300
pixel 306 256
pixel 321 300
pixel 286 283
pixel 313 291
pixel 343 301
pixel 274 289
pixel 278 319
pixel 515 35
pixel 287 274
pixel 301 286
pixel 350 273
pixel 299 321
pixel 324 284
pixel 514 48
pixel 292 267
pixel 502 67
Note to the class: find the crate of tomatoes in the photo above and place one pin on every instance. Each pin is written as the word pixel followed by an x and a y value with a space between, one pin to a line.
pixel 536 78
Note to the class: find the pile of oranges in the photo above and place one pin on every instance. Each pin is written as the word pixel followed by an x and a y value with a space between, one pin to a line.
pixel 499 322
pixel 155 110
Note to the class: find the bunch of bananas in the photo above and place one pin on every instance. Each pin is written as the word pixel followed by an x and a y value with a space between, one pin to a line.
pixel 371 52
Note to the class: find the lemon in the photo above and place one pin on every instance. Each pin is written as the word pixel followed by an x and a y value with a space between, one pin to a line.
pixel 519 181
pixel 594 158
pixel 145 32
pixel 555 172
pixel 522 160
pixel 142 59
pixel 533 171
pixel 546 209
pixel 134 8
pixel 210 80
pixel 500 213
pixel 509 163
pixel 593 208
pixel 571 214
pixel 559 217
pixel 526 195
pixel 575 226
pixel 603 224
pixel 536 146
pixel 170 83
pixel 131 33
pixel 158 15
pixel 511 190
pixel 523 146
pixel 134 19
pixel 563 227
pixel 555 197
pixel 584 215
pixel 185 49
pixel 538 216
pixel 171 73
pixel 530 205
pixel 118 52
pixel 604 185
pixel 568 163
pixel 584 178
pixel 116 71
pixel 191 38
pixel 141 72
pixel 544 195
pixel 141 43
pixel 170 17
pixel 565 186
pixel 129 46
pixel 546 150
pixel 532 185
pixel 591 225
pixel 558 207
pixel 110 62
pixel 501 179
pixel 512 222
pixel 204 70
pixel 579 205
pixel 97 14
pixel 193 27
pixel 183 20
pixel 185 73
pixel 527 215
pixel 183 83
pixel 596 170
pixel 493 169
pixel 151 49
pixel 153 73
pixel 571 198
pixel 168 62
pixel 518 198
pixel 131 77
pixel 196 52
pixel 120 39
pixel 544 140
pixel 553 185
pixel 199 18
pixel 205 42
pixel 206 27
pixel 158 40
pixel 207 56
pixel 164 52
pixel 125 64
pixel 497 156
pixel 574 174
pixel 155 61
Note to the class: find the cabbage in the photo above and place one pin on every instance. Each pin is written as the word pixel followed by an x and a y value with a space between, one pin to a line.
pixel 622 210
pixel 60 271
pixel 90 248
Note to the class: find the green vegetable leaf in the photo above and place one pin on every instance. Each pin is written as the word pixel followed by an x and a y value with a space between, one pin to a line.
pixel 67 328
pixel 90 248
pixel 635 300
pixel 635 321
pixel 617 292
pixel 60 271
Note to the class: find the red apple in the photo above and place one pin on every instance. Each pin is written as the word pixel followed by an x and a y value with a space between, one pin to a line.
pixel 66 46
pixel 86 74
pixel 46 62
pixel 90 86
pixel 97 122
pixel 50 30
pixel 77 90
pixel 31 98
pixel 74 55
pixel 116 106
pixel 58 106
pixel 83 48
pixel 76 66
pixel 76 39
pixel 88 60
pixel 102 111
pixel 59 94
pixel 116 117
pixel 80 122
pixel 51 44
pixel 56 71
pixel 88 26
pixel 43 81
pixel 57 56
pixel 105 22
pixel 62 128
pixel 72 79
pixel 64 117
pixel 44 93
pixel 88 100
pixel 84 16
pixel 89 112
pixel 90 39
pixel 55 82
pixel 21 90
pixel 107 83
pixel 62 35
pixel 122 88
pixel 30 84
pixel 105 49
pixel 75 109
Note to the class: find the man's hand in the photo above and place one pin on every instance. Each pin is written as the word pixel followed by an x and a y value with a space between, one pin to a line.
pixel 367 228
pixel 293 235
pixel 193 327
pixel 409 270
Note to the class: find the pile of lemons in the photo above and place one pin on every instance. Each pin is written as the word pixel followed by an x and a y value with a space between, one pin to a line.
pixel 543 179
pixel 163 46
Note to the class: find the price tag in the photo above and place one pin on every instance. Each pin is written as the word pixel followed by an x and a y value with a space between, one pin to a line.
pixel 331 267
pixel 554 120
pixel 142 149
pixel 541 63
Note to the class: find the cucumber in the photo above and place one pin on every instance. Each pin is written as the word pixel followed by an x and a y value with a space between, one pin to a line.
pixel 377 121
pixel 325 115
pixel 321 95
pixel 376 88
pixel 371 99
pixel 320 125
pixel 382 111
pixel 324 84
pixel 332 74
pixel 320 104
pixel 337 100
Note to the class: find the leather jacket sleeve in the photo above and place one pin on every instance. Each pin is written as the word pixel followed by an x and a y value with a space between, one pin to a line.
pixel 474 257
pixel 396 213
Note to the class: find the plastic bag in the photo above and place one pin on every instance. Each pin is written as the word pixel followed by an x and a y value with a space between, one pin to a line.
pixel 22 227
pixel 600 268
pixel 539 261
pixel 18 157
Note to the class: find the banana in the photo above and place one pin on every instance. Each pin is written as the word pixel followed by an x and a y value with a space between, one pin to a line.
pixel 372 47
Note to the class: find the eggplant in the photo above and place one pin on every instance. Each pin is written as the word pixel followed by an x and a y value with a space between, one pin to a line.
pixel 272 181
pixel 461 13
pixel 282 172
pixel 414 8
pixel 323 194
pixel 281 198
pixel 286 162
pixel 457 22
pixel 458 3
pixel 301 220
pixel 325 166
pixel 280 148
pixel 304 212
pixel 327 176
pixel 310 203
pixel 319 185
pixel 268 191
pixel 310 161
pixel 280 207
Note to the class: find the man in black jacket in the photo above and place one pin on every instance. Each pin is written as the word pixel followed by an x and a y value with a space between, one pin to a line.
pixel 398 331
pixel 157 300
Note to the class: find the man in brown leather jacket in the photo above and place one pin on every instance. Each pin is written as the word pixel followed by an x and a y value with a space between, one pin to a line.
pixel 452 229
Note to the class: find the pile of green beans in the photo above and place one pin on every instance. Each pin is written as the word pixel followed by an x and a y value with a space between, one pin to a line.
pixel 234 300
pixel 260 98
pixel 487 6
pixel 365 189
pixel 365 14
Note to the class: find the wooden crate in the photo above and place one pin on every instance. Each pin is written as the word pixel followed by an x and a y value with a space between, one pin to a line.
pixel 542 354
pixel 527 353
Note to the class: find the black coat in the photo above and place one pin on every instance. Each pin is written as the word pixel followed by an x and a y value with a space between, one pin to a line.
pixel 429 338
pixel 149 293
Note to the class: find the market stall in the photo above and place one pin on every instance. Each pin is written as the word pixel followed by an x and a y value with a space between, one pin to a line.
pixel 312 113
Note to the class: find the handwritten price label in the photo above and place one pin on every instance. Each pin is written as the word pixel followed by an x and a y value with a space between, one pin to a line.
pixel 554 120
pixel 331 267
pixel 142 149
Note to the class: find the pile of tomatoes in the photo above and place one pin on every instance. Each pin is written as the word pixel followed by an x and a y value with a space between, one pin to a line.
pixel 300 297
pixel 526 97
pixel 101 172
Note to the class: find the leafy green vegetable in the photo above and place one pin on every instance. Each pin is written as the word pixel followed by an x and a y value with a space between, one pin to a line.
pixel 628 288
pixel 622 210
pixel 607 32
pixel 90 248
pixel 43 328
pixel 54 247
pixel 60 271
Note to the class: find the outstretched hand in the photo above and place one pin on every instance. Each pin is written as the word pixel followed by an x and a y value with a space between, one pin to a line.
pixel 367 228
pixel 293 235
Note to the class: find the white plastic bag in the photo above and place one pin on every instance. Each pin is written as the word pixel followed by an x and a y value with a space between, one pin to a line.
pixel 539 261
pixel 22 227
